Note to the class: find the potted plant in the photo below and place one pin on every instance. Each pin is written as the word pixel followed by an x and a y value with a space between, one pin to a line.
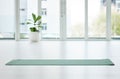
pixel 35 28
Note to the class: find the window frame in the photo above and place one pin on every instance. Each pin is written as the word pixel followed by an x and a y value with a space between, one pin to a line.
pixel 63 21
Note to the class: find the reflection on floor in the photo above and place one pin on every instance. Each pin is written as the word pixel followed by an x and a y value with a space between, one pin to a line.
pixel 59 50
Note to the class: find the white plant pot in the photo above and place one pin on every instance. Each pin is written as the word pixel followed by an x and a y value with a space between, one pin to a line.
pixel 35 36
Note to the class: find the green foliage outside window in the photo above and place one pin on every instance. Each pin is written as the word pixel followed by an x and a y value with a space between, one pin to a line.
pixel 100 23
pixel 115 23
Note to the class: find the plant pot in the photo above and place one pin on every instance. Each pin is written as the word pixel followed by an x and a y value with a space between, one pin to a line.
pixel 35 36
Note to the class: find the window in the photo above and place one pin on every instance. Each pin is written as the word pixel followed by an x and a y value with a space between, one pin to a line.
pixel 7 19
pixel 51 19
pixel 79 18
pixel 75 13
pixel 27 7
pixel 96 19
pixel 115 18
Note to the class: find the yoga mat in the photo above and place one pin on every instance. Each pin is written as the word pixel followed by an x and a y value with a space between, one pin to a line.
pixel 60 62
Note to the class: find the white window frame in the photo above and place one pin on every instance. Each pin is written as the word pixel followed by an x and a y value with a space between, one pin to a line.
pixel 17 20
pixel 62 20
pixel 108 23
pixel 63 17
pixel 86 37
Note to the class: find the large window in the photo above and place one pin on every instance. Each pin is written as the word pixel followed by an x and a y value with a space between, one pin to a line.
pixel 7 18
pixel 73 19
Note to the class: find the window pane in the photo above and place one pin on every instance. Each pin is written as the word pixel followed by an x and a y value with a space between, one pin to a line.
pixel 7 18
pixel 115 18
pixel 51 19
pixel 97 18
pixel 23 17
pixel 27 7
pixel 75 18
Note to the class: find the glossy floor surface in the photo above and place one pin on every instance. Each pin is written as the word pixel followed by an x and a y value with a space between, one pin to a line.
pixel 59 50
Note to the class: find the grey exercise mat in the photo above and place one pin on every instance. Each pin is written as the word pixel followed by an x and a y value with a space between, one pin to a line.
pixel 60 62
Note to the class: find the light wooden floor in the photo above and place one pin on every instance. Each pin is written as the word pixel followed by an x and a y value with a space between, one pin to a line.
pixel 59 50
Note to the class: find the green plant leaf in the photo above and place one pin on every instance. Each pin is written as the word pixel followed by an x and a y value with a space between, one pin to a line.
pixel 36 22
pixel 38 18
pixel 34 17
pixel 33 29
